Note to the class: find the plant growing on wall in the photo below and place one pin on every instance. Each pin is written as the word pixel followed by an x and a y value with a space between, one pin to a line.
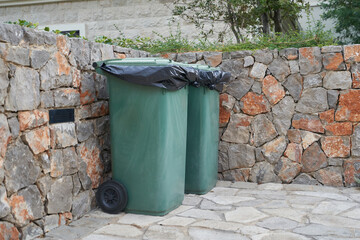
pixel 346 14
pixel 241 16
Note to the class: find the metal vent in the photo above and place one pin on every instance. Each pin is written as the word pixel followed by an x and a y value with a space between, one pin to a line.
pixel 61 115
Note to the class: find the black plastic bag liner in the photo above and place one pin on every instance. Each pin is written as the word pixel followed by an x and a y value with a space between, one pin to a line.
pixel 170 77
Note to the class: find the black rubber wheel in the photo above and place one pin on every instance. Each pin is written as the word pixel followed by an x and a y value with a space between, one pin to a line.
pixel 111 197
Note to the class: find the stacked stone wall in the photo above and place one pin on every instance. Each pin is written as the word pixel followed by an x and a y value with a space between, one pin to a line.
pixel 289 116
pixel 48 171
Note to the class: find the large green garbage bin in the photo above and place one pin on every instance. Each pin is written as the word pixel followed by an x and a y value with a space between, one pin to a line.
pixel 202 137
pixel 148 137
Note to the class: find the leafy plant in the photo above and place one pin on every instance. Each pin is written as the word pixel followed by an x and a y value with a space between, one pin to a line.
pixel 346 14
pixel 24 23
pixel 240 16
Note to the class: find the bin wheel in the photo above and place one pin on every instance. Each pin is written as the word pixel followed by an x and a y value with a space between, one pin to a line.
pixel 112 197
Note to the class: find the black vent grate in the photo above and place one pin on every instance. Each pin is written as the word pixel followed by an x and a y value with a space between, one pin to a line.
pixel 61 115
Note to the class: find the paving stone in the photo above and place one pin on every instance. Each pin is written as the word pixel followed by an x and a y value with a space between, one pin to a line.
pixel 177 221
pixel 277 223
pixel 210 205
pixel 244 185
pixel 94 236
pixel 226 200
pixel 332 207
pixel 244 215
pixel 279 235
pixel 222 191
pixel 180 209
pixel 139 220
pixel 219 225
pixel 120 230
pixel 204 234
pixel 191 200
pixel 354 213
pixel 334 221
pixel 165 233
pixel 289 213
pixel 313 100
pixel 201 214
pixel 333 196
pixel 294 85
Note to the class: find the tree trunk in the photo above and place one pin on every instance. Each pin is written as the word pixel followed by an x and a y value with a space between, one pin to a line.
pixel 265 23
pixel 277 21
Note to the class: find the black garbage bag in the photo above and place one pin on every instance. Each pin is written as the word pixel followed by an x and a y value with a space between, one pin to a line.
pixel 171 77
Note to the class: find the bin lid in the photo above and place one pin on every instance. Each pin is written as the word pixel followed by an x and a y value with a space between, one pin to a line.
pixel 164 73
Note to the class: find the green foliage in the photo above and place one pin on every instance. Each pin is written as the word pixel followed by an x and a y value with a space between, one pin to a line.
pixel 240 16
pixel 346 14
pixel 24 23
pixel 177 42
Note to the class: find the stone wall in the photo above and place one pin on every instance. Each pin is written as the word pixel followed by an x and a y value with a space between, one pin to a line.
pixel 289 116
pixel 48 171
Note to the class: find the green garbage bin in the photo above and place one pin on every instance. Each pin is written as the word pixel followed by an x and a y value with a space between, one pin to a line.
pixel 148 133
pixel 203 133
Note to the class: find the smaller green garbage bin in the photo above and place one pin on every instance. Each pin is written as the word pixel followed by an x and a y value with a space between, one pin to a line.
pixel 148 122
pixel 203 130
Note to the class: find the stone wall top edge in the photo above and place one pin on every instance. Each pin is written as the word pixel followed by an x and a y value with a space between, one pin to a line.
pixel 14 34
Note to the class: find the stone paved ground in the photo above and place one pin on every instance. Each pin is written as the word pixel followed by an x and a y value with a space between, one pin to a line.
pixel 235 211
